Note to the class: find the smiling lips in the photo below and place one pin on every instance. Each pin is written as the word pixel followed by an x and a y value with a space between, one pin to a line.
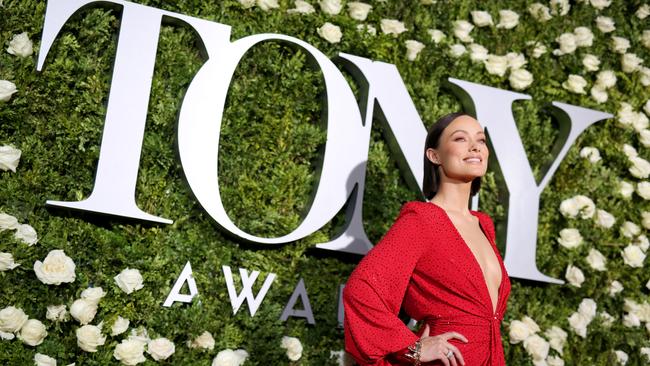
pixel 473 160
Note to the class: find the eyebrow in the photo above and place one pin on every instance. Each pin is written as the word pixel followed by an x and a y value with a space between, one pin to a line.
pixel 479 132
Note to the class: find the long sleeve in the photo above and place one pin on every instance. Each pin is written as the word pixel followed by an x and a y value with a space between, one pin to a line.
pixel 375 290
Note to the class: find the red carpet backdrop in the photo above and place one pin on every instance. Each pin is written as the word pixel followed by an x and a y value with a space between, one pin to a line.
pixel 119 245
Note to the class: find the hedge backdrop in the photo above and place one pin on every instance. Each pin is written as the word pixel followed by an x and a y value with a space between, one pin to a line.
pixel 270 145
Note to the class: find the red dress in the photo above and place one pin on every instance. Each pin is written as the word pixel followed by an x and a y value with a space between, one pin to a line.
pixel 423 265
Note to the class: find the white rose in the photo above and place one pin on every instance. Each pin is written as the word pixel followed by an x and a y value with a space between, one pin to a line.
pixel 575 84
pixel 540 12
pixel 626 189
pixel 590 153
pixel 32 333
pixel 330 32
pixel 120 326
pixel 520 79
pixel 620 44
pixel 26 234
pixel 44 360
pixel 606 79
pixel 7 222
pixel 293 347
pixel 462 28
pixel 477 53
pixel 267 4
pixel 645 38
pixel 204 341
pixel 56 313
pixel 7 262
pixel 645 219
pixel 570 238
pixel 89 337
pixel 621 357
pixel 588 308
pixel 537 347
pixel 630 62
pixel 605 24
pixel 413 48
pixel 55 269
pixel 7 89
pixel 646 107
pixel 516 60
pixel 496 65
pixel 629 151
pixel 643 189
pixel 129 280
pixel 645 75
pixel 596 260
pixel 586 206
pixel 579 323
pixel 302 7
pixel 508 19
pixel 358 10
pixel 574 275
pixel 331 7
pixel 642 242
pixel 12 319
pixel 633 256
pixel 6 336
pixel 130 352
pixel 604 219
pixel 569 208
pixel 554 361
pixel 457 50
pixel 606 319
pixel 598 94
pixel 600 4
pixel 247 3
pixel 367 28
pixel 615 287
pixel 532 325
pixel 436 35
pixel 93 294
pixel 392 26
pixel 643 11
pixel 538 50
pixel 590 62
pixel 9 157
pixel 160 348
pixel 567 42
pixel 228 357
pixel 481 18
pixel 640 167
pixel 519 331
pixel 83 311
pixel 584 37
pixel 560 7
pixel 631 320
pixel 557 338
pixel 630 229
pixel 20 45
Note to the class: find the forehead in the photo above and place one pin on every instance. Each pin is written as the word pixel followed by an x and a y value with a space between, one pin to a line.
pixel 466 123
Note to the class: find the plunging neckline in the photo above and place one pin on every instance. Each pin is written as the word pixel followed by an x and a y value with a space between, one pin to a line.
pixel 478 265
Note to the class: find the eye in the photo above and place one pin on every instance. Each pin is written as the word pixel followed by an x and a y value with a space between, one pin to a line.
pixel 459 139
pixel 482 140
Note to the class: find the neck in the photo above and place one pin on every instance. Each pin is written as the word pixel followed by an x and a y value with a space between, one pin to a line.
pixel 453 197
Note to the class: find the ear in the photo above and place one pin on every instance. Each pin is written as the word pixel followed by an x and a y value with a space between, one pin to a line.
pixel 432 155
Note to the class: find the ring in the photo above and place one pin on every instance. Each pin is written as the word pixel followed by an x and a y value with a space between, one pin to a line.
pixel 450 353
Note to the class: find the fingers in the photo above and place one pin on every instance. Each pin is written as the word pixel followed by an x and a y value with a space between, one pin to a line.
pixel 445 360
pixel 452 359
pixel 425 333
pixel 449 335
pixel 457 355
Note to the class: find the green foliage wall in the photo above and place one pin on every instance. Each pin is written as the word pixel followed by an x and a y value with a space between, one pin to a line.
pixel 270 146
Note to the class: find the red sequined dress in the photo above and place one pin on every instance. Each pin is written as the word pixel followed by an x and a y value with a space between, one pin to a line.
pixel 423 265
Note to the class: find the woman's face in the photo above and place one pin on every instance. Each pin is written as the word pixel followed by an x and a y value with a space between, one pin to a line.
pixel 462 151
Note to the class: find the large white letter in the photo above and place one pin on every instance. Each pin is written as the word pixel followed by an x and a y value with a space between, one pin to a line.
pixel 493 108
pixel 119 158
pixel 254 302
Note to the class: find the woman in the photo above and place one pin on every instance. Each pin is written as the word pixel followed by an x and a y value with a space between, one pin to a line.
pixel 438 261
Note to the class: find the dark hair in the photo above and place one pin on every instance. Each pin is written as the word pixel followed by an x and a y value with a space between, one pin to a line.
pixel 431 174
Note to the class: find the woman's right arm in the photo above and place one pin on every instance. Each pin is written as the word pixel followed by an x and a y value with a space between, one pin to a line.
pixel 374 292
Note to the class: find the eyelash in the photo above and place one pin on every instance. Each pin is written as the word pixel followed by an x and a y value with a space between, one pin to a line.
pixel 458 138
